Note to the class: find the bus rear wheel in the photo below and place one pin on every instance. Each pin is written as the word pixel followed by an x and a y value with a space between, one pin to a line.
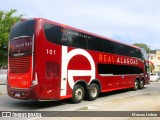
pixel 93 92
pixel 141 84
pixel 136 84
pixel 78 93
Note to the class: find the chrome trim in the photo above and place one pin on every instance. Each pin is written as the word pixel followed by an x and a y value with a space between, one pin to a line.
pixel 19 88
pixel 18 54
pixel 32 58
pixel 20 37
pixel 8 62
pixel 119 75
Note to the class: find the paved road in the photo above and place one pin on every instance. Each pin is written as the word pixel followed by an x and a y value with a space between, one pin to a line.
pixel 8 103
pixel 3 76
pixel 146 99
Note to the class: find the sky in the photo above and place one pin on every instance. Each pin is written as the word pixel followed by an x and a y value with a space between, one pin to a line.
pixel 128 21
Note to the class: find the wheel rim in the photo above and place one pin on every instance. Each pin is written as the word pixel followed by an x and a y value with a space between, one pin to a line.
pixel 136 85
pixel 78 94
pixel 94 92
pixel 141 84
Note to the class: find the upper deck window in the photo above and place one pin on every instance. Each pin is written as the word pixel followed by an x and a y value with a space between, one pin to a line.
pixel 69 37
pixel 22 28
pixel 53 33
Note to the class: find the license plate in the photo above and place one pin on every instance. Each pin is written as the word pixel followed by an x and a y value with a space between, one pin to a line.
pixel 17 95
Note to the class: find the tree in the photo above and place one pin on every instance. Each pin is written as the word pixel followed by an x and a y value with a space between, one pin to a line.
pixel 141 45
pixel 7 19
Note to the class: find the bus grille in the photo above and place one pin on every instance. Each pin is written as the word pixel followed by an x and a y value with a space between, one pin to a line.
pixel 19 65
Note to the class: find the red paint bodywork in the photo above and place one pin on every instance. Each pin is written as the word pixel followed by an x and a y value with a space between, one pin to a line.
pixel 49 84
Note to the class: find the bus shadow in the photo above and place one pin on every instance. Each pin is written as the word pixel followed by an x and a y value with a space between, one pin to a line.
pixel 28 105
pixel 118 92
pixel 113 93
pixel 41 105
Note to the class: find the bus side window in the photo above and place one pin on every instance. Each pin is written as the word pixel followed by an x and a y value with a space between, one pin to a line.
pixel 53 33
pixel 77 41
pixel 95 44
pixel 108 46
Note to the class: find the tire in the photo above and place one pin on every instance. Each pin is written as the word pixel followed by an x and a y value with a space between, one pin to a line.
pixel 93 92
pixel 136 84
pixel 78 93
pixel 157 80
pixel 141 84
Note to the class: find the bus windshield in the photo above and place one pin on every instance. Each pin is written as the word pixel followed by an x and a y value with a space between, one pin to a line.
pixel 144 54
pixel 21 38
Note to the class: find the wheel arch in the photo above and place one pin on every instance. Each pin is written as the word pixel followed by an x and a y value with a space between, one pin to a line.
pixel 86 85
pixel 137 78
pixel 83 83
pixel 142 78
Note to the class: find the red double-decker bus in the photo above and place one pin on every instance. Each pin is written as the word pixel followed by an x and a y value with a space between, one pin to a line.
pixel 52 61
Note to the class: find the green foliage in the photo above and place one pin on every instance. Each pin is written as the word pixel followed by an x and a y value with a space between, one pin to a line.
pixel 7 19
pixel 141 45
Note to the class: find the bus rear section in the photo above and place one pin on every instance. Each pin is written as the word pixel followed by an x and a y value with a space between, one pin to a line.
pixel 32 73
pixel 20 60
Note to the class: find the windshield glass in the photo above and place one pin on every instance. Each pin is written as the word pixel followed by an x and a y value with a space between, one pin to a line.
pixel 144 54
pixel 22 28
pixel 21 38
pixel 21 46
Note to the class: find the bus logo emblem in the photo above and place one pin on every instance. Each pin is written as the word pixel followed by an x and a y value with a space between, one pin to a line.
pixel 65 73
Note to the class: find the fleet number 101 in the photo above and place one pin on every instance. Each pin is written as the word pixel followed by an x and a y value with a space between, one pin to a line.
pixel 50 51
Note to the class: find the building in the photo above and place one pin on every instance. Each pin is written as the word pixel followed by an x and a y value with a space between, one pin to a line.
pixel 154 57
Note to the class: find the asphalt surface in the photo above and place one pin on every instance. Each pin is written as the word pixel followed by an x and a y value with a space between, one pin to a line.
pixel 147 99
pixel 3 76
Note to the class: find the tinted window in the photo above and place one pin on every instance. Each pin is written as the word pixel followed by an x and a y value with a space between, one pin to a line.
pixel 53 33
pixel 77 41
pixel 121 49
pixel 104 69
pixel 127 50
pixel 108 46
pixel 64 36
pixel 22 28
pixel 20 47
pixel 95 44
pixel 118 69
pixel 135 52
pixel 138 54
